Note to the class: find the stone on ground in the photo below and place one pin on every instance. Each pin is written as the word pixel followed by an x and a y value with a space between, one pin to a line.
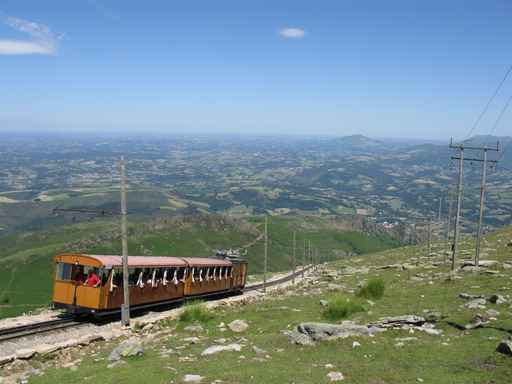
pixel 238 326
pixel 335 376
pixel 192 378
pixel 505 347
pixel 234 347
pixel 127 348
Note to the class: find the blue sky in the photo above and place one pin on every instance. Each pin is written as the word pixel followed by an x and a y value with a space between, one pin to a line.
pixel 421 69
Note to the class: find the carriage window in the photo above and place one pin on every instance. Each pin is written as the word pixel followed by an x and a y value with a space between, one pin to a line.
pixel 181 274
pixel 64 271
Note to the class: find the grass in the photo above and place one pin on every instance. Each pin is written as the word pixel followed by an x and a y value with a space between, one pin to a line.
pixel 373 289
pixel 341 308
pixel 196 311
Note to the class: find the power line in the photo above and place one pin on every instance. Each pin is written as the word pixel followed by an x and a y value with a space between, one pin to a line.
pixel 502 112
pixel 484 111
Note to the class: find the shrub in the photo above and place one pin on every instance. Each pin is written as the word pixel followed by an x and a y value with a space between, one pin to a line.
pixel 374 289
pixel 195 311
pixel 341 308
pixel 5 299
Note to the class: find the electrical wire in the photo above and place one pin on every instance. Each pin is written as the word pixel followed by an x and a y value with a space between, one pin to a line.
pixel 491 99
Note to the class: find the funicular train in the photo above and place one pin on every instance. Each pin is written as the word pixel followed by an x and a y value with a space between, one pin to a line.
pixel 94 283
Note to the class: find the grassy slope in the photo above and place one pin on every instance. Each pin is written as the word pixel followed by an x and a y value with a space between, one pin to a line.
pixel 26 267
pixel 455 357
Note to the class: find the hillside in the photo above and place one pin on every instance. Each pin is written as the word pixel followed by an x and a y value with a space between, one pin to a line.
pixel 443 329
pixel 26 259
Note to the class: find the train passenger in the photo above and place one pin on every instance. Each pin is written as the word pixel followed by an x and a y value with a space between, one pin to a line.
pixel 79 277
pixel 92 280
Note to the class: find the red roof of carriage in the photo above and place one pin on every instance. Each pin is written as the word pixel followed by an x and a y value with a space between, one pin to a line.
pixel 158 261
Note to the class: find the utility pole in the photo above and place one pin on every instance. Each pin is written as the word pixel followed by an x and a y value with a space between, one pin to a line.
pixel 448 227
pixel 482 200
pixel 265 257
pixel 440 209
pixel 459 203
pixel 461 159
pixel 304 260
pixel 429 241
pixel 125 308
pixel 293 260
pixel 309 252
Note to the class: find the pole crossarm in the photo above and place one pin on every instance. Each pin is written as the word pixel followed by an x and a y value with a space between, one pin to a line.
pixel 472 159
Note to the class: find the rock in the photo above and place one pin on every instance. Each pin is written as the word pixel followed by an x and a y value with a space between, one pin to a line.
pixel 128 348
pixel 196 328
pixel 433 317
pixel 492 313
pixel 497 299
pixel 238 326
pixel 25 353
pixel 335 376
pixel 476 304
pixel 334 287
pixel 258 351
pixel 324 303
pixel 234 347
pixel 399 321
pixel 477 322
pixel 356 344
pixel 298 338
pixel 192 378
pixel 324 331
pixel 192 340
pixel 505 347
pixel 469 296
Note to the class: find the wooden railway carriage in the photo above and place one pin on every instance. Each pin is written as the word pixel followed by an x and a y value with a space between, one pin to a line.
pixel 153 280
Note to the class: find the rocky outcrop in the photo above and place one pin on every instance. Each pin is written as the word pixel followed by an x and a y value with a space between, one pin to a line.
pixel 128 348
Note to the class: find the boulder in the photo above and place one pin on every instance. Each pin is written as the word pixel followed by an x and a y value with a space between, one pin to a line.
pixel 196 328
pixel 400 321
pixel 335 376
pixel 324 303
pixel 128 348
pixel 497 299
pixel 298 338
pixel 325 331
pixel 468 296
pixel 192 378
pixel 238 326
pixel 234 347
pixel 476 304
pixel 505 347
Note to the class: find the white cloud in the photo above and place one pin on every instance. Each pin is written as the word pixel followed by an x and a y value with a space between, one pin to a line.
pixel 292 33
pixel 43 41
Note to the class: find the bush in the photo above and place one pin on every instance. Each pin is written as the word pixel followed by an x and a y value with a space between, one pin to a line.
pixel 5 299
pixel 341 308
pixel 195 311
pixel 374 289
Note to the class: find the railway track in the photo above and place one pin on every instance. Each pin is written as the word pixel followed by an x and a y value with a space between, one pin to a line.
pixel 37 328
pixel 70 321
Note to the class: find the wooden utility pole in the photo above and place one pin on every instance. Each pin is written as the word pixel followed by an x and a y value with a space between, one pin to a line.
pixel 266 255
pixel 294 255
pixel 448 227
pixel 461 159
pixel 482 201
pixel 429 238
pixel 440 209
pixel 309 252
pixel 304 259
pixel 125 308
pixel 455 247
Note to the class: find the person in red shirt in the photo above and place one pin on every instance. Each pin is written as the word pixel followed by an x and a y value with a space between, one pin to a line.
pixel 92 280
